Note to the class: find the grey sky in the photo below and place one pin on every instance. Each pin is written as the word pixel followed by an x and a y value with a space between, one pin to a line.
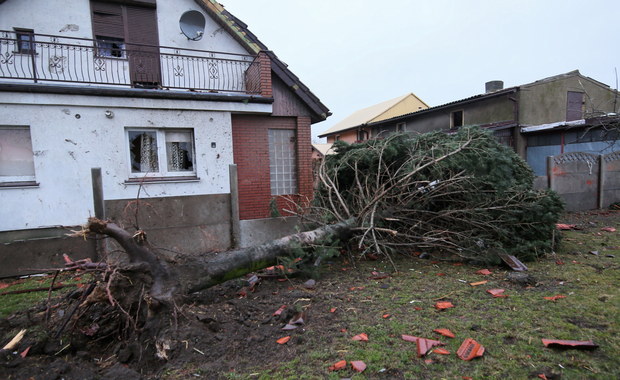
pixel 353 54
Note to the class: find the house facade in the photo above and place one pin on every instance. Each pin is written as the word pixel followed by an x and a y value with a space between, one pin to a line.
pixel 136 110
pixel 357 126
pixel 513 113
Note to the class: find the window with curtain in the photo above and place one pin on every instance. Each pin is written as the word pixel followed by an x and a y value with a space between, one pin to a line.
pixel 161 152
pixel 16 156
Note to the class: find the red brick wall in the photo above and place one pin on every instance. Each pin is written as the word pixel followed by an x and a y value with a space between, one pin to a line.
pixel 251 154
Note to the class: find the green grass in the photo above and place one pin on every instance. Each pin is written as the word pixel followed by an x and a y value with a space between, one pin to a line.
pixel 510 328
pixel 11 303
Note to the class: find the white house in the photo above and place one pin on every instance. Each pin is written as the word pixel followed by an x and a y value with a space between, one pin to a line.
pixel 163 96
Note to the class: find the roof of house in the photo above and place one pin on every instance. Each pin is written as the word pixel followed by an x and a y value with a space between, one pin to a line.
pixel 323 149
pixel 605 121
pixel 374 113
pixel 240 32
pixel 479 97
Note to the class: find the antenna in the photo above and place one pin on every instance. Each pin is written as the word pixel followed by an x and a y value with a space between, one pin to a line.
pixel 192 25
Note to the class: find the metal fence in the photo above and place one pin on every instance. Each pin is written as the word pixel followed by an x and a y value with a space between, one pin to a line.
pixel 41 58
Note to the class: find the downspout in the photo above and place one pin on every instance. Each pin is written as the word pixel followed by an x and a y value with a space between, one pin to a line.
pixel 520 142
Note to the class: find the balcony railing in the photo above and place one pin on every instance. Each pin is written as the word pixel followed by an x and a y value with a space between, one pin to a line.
pixel 41 58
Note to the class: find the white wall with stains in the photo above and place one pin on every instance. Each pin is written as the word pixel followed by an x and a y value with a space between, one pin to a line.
pixel 71 134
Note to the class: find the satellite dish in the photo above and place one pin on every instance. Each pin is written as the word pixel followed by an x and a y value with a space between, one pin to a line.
pixel 192 24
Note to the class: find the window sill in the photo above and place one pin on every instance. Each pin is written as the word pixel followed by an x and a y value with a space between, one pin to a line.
pixel 19 185
pixel 143 180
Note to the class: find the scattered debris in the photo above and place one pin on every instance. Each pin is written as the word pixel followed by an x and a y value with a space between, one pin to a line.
pixel 295 322
pixel 378 275
pixel 608 229
pixel 283 340
pixel 441 351
pixel 310 284
pixel 279 311
pixel 445 332
pixel 25 352
pixel 253 281
pixel 484 272
pixel 514 263
pixel 15 341
pixel 358 365
pixel 333 309
pixel 497 293
pixel 470 349
pixel 363 337
pixel 386 316
pixel 555 298
pixel 577 344
pixel 595 253
pixel 442 305
pixel 561 226
pixel 338 365
pixel 521 278
pixel 478 283
pixel 424 345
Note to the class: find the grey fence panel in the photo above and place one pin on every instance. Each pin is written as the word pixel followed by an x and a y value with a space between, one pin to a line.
pixel 575 177
pixel 611 179
pixel 585 181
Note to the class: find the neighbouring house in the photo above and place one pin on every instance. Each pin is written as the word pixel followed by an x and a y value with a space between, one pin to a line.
pixel 537 119
pixel 357 126
pixel 172 102
pixel 320 150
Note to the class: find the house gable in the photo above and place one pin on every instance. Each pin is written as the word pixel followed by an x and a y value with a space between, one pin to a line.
pixel 404 104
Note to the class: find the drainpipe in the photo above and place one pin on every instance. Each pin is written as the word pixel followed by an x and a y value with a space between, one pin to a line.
pixel 520 147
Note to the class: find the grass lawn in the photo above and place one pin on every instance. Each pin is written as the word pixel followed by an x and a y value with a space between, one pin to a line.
pixel 349 300
pixel 510 328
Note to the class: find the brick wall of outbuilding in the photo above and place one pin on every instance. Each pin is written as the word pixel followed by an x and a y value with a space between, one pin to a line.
pixel 251 154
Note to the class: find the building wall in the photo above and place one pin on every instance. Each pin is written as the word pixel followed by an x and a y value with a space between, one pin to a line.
pixel 75 21
pixel 350 136
pixel 545 101
pixel 407 105
pixel 71 134
pixel 251 147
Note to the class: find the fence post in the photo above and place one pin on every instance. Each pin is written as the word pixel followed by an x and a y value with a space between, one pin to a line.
pixel 99 204
pixel 550 179
pixel 601 180
pixel 235 227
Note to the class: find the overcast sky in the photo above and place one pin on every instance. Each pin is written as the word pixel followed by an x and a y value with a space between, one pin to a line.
pixel 356 53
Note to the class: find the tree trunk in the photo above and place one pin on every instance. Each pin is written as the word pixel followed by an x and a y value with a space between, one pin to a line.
pixel 193 273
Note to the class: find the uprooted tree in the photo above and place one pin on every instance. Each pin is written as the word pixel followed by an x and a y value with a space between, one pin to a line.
pixel 460 193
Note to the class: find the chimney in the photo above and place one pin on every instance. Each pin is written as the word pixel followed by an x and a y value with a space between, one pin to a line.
pixel 494 85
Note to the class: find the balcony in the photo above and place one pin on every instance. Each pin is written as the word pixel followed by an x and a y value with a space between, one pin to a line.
pixel 40 58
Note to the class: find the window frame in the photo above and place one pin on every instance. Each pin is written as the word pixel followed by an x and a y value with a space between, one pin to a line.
pixel 162 155
pixel 101 50
pixel 20 32
pixel 19 180
pixel 452 118
pixel 401 127
pixel 286 182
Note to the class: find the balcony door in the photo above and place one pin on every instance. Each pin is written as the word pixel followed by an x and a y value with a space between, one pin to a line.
pixel 129 32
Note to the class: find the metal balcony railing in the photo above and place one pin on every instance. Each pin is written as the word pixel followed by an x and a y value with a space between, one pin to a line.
pixel 41 58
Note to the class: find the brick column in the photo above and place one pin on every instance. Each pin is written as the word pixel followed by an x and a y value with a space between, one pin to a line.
pixel 304 158
pixel 265 74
